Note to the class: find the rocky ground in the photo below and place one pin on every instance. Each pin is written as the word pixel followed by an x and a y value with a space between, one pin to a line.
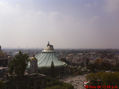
pixel 76 81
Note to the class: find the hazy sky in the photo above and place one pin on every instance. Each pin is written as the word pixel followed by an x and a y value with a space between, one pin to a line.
pixel 65 23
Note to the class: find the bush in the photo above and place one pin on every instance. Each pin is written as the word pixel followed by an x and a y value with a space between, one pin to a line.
pixel 55 84
pixel 1 84
pixel 18 65
pixel 34 82
pixel 107 78
pixel 63 86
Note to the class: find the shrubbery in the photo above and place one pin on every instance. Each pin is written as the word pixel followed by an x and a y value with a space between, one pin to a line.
pixel 106 78
pixel 60 86
pixel 34 82
pixel 1 84
pixel 18 64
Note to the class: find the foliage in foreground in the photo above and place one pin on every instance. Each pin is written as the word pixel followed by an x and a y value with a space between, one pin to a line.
pixel 34 82
pixel 1 84
pixel 58 85
pixel 18 64
pixel 105 78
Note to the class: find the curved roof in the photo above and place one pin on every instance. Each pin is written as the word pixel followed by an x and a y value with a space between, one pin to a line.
pixel 46 58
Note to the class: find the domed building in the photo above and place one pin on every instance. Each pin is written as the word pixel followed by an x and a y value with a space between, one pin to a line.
pixel 47 57
pixel 46 63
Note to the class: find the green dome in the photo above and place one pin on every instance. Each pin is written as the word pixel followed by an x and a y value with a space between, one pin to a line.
pixel 48 56
pixel 45 59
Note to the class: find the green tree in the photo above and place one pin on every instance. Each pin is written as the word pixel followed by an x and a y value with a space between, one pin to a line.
pixel 55 84
pixel 52 69
pixel 1 84
pixel 18 65
pixel 106 78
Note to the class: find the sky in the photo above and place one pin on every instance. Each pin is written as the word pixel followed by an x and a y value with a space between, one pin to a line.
pixel 65 23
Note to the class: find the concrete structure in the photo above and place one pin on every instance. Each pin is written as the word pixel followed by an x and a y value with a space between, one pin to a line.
pixel 33 65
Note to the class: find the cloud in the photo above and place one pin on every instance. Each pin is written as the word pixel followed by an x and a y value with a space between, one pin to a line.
pixel 19 25
pixel 112 5
pixel 81 26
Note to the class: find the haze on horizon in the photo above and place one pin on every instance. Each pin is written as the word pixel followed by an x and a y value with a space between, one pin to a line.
pixel 65 23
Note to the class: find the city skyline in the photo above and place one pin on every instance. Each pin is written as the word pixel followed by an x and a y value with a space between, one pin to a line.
pixel 65 23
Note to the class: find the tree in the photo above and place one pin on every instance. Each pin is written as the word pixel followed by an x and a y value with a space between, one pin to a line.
pixel 105 78
pixel 100 65
pixel 1 84
pixel 18 65
pixel 52 69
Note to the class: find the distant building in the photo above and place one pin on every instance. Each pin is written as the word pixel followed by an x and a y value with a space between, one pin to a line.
pixel 4 58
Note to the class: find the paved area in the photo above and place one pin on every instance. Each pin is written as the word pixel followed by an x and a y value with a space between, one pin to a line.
pixel 76 81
